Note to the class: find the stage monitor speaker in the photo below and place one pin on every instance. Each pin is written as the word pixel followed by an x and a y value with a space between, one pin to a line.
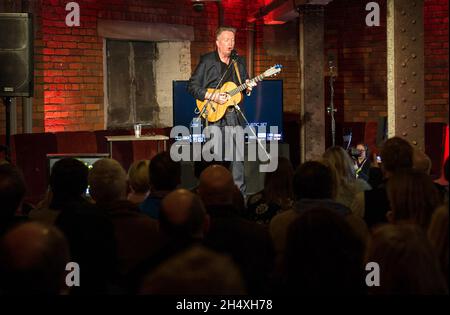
pixel 16 54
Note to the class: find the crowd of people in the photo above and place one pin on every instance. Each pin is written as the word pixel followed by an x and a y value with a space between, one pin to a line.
pixel 311 230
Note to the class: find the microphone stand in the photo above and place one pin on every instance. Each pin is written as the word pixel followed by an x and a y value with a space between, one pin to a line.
pixel 237 107
pixel 331 109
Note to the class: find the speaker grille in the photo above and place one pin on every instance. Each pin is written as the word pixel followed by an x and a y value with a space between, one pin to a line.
pixel 13 34
pixel 13 70
pixel 16 54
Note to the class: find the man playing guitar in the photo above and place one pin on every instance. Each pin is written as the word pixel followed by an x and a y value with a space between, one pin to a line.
pixel 214 66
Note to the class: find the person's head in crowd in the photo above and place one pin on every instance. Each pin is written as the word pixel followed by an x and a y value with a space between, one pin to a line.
pixel 183 215
pixel 278 184
pixel 196 271
pixel 438 236
pixel 342 163
pixel 33 260
pixel 216 186
pixel 68 181
pixel 407 261
pixel 323 255
pixel 336 181
pixel 421 161
pixel 108 181
pixel 396 154
pixel 412 197
pixel 200 166
pixel 138 176
pixel 363 150
pixel 314 180
pixel 138 181
pixel 164 173
pixel 12 191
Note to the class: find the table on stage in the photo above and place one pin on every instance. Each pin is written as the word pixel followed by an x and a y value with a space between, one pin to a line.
pixel 157 138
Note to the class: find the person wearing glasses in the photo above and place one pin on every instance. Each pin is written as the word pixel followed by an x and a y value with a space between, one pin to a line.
pixel 362 163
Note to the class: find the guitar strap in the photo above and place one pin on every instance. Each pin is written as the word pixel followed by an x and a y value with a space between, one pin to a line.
pixel 238 75
pixel 237 72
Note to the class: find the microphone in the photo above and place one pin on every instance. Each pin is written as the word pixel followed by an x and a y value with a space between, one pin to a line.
pixel 330 65
pixel 234 54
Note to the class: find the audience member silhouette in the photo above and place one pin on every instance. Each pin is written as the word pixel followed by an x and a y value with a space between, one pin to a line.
pixel 136 234
pixel 138 182
pixel 438 236
pixel 347 183
pixel 372 205
pixel 12 194
pixel 314 187
pixel 412 197
pixel 276 196
pixel 92 242
pixel 421 161
pixel 323 255
pixel 247 242
pixel 164 176
pixel 195 271
pixel 183 223
pixel 238 198
pixel 68 184
pixel 33 260
pixel 407 261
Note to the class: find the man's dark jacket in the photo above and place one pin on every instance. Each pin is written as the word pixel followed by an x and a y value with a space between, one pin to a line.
pixel 208 73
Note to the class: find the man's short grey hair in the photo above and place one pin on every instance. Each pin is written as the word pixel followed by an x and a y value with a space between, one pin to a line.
pixel 222 29
pixel 107 180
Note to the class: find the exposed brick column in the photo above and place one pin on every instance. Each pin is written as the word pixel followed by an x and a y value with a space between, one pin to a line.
pixel 405 63
pixel 312 109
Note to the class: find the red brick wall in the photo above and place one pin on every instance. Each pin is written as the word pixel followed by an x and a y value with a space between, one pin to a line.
pixel 436 60
pixel 360 89
pixel 70 63
pixel 267 53
pixel 360 55
pixel 69 60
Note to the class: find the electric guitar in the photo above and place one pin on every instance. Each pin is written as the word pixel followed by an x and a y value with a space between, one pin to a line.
pixel 215 111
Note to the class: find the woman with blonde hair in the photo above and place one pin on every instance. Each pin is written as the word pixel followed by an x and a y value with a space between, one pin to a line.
pixel 138 181
pixel 344 172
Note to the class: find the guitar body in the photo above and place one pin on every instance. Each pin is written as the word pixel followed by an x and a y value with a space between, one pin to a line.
pixel 215 110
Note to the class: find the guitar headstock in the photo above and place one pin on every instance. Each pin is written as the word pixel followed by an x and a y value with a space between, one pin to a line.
pixel 273 71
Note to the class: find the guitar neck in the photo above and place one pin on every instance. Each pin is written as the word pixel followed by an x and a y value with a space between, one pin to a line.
pixel 244 86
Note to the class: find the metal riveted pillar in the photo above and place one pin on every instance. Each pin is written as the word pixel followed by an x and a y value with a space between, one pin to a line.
pixel 405 65
pixel 312 109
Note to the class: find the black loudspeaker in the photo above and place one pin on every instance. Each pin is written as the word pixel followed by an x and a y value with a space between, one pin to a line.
pixel 16 54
